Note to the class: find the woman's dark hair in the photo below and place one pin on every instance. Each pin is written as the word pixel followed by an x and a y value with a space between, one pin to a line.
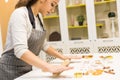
pixel 21 3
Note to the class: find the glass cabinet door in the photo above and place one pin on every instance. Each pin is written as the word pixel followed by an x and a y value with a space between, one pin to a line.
pixel 76 19
pixel 52 25
pixel 107 18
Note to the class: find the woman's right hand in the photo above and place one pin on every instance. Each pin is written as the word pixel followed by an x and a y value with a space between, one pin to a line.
pixel 57 68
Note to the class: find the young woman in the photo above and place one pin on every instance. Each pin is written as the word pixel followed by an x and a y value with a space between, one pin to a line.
pixel 25 39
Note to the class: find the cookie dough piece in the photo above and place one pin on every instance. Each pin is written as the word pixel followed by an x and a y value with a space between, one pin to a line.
pixel 109 57
pixel 87 56
pixel 78 74
pixel 106 57
pixel 97 72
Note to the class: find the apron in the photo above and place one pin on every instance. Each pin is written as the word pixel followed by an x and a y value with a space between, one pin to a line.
pixel 12 67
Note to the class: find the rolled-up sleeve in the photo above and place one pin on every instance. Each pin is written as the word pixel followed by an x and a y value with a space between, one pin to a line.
pixel 19 33
pixel 45 46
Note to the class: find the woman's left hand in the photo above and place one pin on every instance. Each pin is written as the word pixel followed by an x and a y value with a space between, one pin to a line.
pixel 73 57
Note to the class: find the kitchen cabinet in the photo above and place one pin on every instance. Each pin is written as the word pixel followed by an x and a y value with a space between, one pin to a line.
pixel 107 12
pixel 109 19
pixel 99 33
pixel 55 23
pixel 76 11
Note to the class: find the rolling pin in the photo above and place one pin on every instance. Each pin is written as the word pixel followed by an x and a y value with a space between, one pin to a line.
pixel 65 63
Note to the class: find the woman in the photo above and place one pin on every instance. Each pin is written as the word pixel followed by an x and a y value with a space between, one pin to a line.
pixel 25 39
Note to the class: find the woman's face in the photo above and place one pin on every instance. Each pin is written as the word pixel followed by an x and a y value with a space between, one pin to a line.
pixel 48 6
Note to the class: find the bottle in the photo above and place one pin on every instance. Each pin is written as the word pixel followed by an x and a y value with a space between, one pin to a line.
pixel 72 21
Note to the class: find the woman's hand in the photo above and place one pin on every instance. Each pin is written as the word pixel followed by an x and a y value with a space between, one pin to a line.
pixel 57 68
pixel 72 57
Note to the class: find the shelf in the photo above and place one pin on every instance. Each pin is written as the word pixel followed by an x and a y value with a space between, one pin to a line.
pixel 96 3
pixel 103 2
pixel 72 27
pixel 50 17
pixel 74 6
pixel 98 25
pixel 84 26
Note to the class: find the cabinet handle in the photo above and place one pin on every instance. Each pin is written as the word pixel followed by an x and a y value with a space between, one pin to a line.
pixel 53 44
pixel 107 40
pixel 78 42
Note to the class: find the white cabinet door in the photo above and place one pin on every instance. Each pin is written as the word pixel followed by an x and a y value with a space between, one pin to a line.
pixel 79 34
pixel 107 13
pixel 76 20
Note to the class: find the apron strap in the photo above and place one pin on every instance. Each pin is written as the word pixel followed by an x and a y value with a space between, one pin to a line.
pixel 40 22
pixel 32 19
pixel 31 16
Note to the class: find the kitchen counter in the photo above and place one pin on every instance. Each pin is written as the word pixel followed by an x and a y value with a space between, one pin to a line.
pixel 99 61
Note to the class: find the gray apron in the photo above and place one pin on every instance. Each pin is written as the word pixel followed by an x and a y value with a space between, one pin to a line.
pixel 12 67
